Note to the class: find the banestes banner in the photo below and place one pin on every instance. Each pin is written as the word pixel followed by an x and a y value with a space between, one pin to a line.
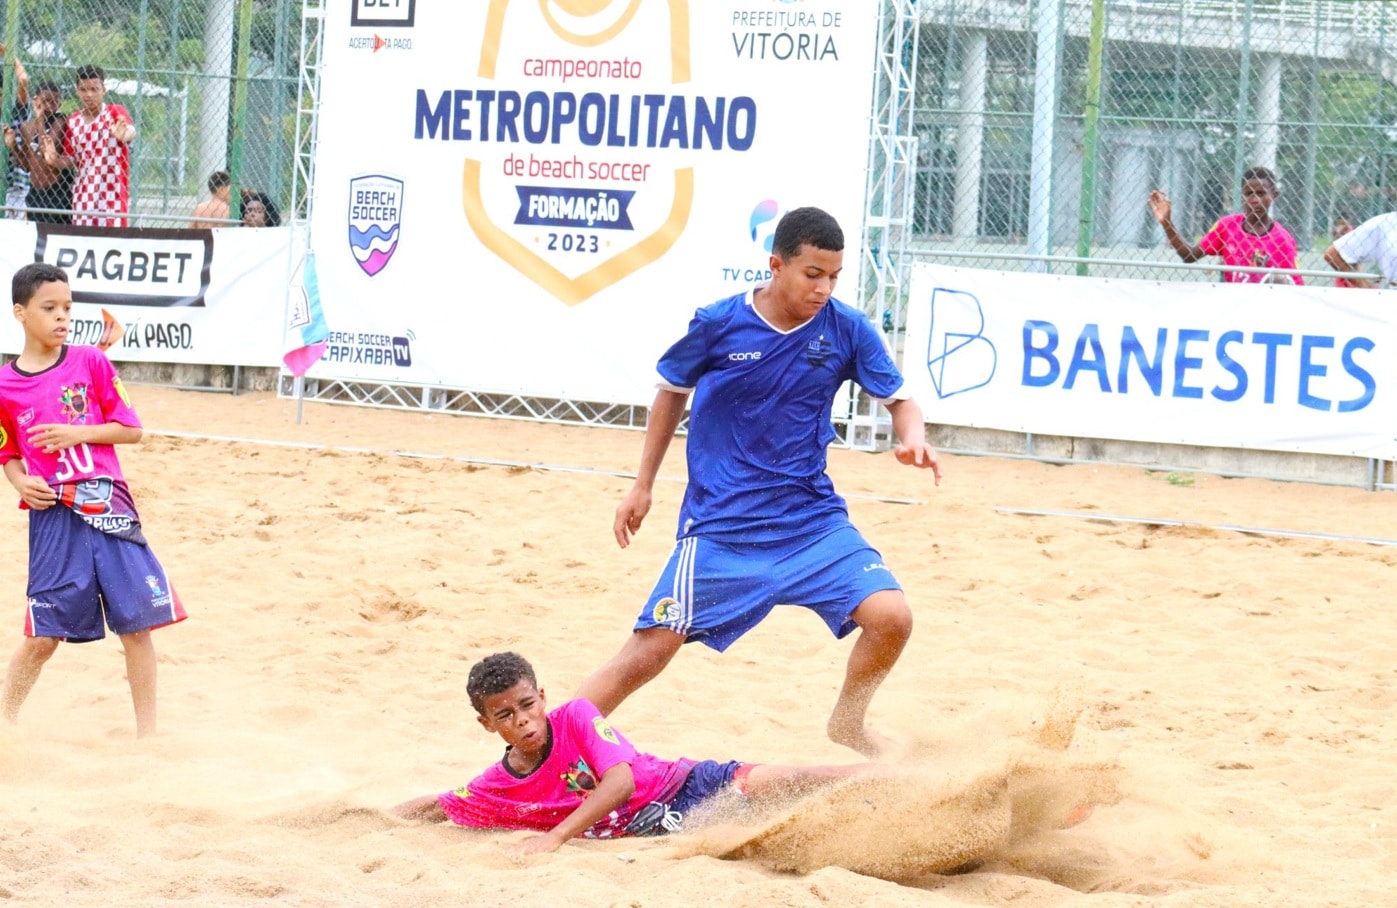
pixel 205 297
pixel 1271 367
pixel 533 198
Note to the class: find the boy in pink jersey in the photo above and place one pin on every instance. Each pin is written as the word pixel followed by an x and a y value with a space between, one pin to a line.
pixel 1250 238
pixel 97 144
pixel 62 408
pixel 568 772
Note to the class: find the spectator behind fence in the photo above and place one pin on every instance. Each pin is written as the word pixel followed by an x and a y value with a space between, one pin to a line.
pixel 1342 224
pixel 1375 240
pixel 16 175
pixel 1248 238
pixel 259 210
pixel 215 208
pixel 98 146
pixel 49 187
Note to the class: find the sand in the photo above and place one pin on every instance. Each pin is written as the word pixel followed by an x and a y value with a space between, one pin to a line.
pixel 1223 700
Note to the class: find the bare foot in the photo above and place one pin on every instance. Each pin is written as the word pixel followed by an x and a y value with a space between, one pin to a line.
pixel 862 739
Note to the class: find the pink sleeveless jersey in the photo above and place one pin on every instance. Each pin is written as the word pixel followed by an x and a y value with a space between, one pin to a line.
pixel 82 388
pixel 1276 249
pixel 583 747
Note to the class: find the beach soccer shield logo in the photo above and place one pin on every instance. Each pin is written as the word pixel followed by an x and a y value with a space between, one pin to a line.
pixel 375 217
pixel 578 215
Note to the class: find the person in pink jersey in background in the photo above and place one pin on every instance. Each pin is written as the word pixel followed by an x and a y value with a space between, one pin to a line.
pixel 1250 238
pixel 62 409
pixel 97 145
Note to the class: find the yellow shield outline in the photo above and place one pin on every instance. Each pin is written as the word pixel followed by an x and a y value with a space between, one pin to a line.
pixel 649 249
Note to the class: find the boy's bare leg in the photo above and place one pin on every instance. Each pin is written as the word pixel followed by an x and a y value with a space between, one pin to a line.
pixel 885 623
pixel 140 674
pixel 643 657
pixel 766 781
pixel 25 666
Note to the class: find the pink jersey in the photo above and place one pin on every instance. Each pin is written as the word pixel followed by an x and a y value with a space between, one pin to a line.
pixel 103 184
pixel 82 388
pixel 582 747
pixel 1275 249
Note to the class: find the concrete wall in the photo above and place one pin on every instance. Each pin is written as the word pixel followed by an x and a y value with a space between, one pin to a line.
pixel 208 378
pixel 1319 468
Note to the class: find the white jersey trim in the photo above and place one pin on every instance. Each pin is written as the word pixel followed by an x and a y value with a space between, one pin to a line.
pixel 752 304
pixel 677 389
pixel 902 393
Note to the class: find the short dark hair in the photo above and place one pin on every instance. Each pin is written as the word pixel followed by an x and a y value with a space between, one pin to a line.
pixel 268 206
pixel 496 674
pixel 218 179
pixel 1260 173
pixel 806 226
pixel 49 85
pixel 90 72
pixel 28 279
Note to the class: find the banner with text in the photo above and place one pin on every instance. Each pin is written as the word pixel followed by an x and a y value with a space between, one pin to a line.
pixel 533 198
pixel 1261 366
pixel 205 297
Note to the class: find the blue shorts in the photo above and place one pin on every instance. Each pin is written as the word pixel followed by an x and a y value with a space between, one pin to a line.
pixel 705 780
pixel 79 575
pixel 714 592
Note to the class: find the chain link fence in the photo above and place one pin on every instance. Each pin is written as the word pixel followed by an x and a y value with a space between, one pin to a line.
pixel 210 86
pixel 1042 128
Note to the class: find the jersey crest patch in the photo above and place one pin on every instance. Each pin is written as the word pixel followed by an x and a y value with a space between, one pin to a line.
pixel 579 777
pixel 605 730
pixel 74 402
pixel 120 390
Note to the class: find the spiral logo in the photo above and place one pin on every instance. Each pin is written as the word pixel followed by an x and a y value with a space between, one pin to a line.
pixel 762 224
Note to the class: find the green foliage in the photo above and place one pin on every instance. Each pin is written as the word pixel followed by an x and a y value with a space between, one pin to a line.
pixel 107 46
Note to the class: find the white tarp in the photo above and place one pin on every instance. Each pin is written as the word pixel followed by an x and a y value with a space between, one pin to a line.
pixel 512 198
pixel 209 297
pixel 1231 365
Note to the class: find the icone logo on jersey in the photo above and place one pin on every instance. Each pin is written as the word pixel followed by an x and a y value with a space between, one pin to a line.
pixel 375 218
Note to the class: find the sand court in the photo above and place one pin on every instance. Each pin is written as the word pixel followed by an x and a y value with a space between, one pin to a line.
pixel 1224 700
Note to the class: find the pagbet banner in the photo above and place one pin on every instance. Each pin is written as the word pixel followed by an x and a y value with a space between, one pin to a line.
pixel 1260 366
pixel 534 197
pixel 209 297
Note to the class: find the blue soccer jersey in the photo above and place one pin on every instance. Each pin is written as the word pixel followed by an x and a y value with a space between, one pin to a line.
pixel 759 422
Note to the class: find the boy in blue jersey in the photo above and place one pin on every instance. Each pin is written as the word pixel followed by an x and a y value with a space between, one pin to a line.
pixel 761 524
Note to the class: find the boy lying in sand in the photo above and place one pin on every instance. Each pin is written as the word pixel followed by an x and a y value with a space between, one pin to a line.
pixel 569 772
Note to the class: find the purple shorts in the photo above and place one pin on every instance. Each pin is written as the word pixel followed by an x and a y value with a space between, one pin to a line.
pixel 79 576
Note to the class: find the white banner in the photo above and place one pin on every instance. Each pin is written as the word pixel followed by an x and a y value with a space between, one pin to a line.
pixel 204 297
pixel 1238 365
pixel 514 197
